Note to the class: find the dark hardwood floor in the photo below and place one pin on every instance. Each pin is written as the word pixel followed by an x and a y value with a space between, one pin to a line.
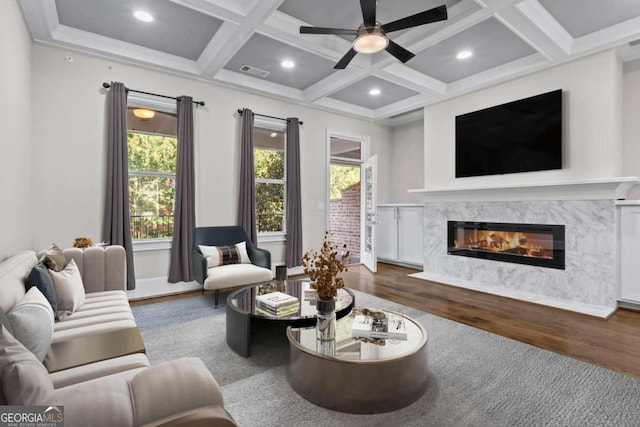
pixel 613 343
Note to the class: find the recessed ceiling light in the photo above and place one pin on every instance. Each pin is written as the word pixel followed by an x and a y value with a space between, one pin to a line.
pixel 374 92
pixel 273 134
pixel 287 63
pixel 464 54
pixel 143 16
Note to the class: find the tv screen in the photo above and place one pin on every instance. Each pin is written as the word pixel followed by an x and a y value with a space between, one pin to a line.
pixel 520 136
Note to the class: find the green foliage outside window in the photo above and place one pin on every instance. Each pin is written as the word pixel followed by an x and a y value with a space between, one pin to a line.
pixel 342 176
pixel 269 173
pixel 152 166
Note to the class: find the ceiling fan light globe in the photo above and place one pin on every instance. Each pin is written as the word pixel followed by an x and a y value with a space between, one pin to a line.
pixel 370 43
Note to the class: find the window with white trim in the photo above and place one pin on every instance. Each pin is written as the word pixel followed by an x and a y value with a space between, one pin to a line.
pixel 269 162
pixel 152 149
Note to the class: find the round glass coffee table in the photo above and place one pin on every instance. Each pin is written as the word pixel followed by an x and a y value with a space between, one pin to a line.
pixel 365 376
pixel 242 312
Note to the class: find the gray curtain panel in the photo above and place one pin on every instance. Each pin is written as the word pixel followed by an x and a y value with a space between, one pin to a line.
pixel 293 248
pixel 247 193
pixel 116 229
pixel 184 212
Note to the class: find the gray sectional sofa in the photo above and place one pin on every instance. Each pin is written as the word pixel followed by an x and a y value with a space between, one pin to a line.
pixel 81 362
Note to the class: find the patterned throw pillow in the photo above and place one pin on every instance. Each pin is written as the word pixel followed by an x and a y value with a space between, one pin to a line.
pixel 225 255
pixel 54 259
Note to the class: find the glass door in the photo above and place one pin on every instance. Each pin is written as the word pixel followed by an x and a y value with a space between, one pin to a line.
pixel 369 177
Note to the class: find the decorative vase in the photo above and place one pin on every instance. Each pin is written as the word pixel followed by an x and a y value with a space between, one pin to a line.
pixel 326 326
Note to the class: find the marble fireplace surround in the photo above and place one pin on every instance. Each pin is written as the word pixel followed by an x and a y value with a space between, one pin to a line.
pixel 589 282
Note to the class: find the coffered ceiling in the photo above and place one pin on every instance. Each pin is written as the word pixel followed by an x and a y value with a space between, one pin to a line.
pixel 242 43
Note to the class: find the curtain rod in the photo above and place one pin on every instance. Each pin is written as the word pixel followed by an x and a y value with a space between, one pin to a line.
pixel 107 86
pixel 270 117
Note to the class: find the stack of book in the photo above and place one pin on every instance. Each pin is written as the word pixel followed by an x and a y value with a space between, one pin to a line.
pixel 370 327
pixel 277 304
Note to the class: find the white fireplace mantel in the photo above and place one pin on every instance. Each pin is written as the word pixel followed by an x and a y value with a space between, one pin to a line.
pixel 588 189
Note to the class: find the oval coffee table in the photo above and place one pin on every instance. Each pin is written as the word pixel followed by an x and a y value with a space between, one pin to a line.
pixel 363 377
pixel 242 313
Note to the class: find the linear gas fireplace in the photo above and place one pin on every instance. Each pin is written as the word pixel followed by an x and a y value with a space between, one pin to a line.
pixel 533 244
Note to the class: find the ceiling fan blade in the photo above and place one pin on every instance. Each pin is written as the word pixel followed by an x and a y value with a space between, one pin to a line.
pixel 322 30
pixel 432 15
pixel 368 12
pixel 399 52
pixel 344 61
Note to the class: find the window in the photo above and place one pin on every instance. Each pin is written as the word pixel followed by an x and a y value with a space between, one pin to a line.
pixel 269 168
pixel 152 148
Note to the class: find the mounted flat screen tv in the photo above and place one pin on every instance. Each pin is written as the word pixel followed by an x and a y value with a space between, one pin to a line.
pixel 520 136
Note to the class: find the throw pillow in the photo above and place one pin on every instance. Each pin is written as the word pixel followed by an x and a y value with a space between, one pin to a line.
pixel 31 322
pixel 69 289
pixel 24 380
pixel 53 258
pixel 41 279
pixel 224 255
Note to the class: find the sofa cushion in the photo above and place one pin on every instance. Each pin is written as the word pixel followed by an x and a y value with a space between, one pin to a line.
pixel 104 401
pixel 24 379
pixel 32 323
pixel 225 255
pixel 69 289
pixel 99 369
pixel 13 272
pixel 4 321
pixel 96 328
pixel 227 276
pixel 41 279
pixel 53 258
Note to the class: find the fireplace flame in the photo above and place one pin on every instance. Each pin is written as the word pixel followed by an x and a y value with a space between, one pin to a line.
pixel 515 243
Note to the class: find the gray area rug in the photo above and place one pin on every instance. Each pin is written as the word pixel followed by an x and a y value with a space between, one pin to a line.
pixel 476 378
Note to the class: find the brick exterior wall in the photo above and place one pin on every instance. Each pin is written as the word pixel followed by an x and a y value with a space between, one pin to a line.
pixel 345 220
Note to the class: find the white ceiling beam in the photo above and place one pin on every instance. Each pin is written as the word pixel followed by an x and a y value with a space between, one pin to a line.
pixel 533 24
pixel 253 84
pixel 498 74
pixel 226 10
pixel 286 29
pixel 416 101
pixel 402 75
pixel 345 108
pixel 231 44
pixel 333 83
pixel 41 17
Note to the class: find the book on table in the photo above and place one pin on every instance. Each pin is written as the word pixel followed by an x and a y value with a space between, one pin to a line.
pixel 276 299
pixel 263 310
pixel 373 327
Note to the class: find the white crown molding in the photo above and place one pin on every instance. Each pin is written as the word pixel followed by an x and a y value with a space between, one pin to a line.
pixel 92 42
pixel 629 53
pixel 226 10
pixel 403 119
pixel 623 32
pixel 246 82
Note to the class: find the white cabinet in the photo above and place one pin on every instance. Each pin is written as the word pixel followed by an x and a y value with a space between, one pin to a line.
pixel 630 253
pixel 400 233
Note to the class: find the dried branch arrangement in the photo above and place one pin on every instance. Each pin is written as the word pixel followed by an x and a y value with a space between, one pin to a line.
pixel 323 267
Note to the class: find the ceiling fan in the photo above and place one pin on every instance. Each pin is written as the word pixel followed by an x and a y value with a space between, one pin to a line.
pixel 371 36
